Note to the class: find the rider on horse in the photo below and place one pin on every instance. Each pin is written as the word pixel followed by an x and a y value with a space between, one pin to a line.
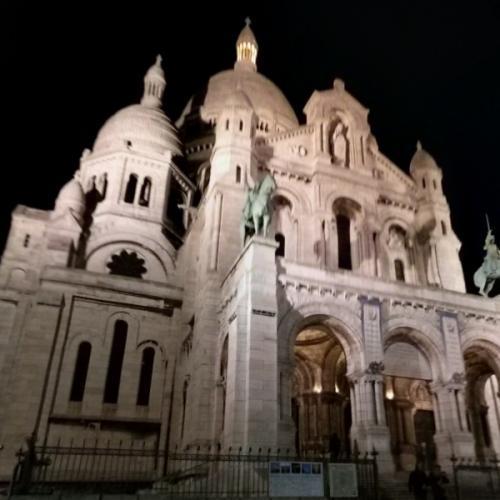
pixel 485 276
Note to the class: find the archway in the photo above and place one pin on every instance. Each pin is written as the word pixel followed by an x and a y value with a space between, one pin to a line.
pixel 483 401
pixel 320 392
pixel 409 401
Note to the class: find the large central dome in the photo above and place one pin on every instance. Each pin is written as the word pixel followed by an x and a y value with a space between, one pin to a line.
pixel 270 105
pixel 268 102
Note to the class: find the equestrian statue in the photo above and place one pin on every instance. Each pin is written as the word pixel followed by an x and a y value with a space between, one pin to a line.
pixel 257 211
pixel 485 276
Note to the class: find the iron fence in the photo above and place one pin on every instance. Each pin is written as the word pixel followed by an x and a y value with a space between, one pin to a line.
pixel 479 480
pixel 96 468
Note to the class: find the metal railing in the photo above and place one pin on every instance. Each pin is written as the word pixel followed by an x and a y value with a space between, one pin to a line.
pixel 104 468
pixel 475 479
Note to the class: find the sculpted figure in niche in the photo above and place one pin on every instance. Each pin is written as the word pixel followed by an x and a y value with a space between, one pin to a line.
pixel 396 239
pixel 339 145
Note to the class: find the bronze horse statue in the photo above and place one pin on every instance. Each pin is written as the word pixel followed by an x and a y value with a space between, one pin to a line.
pixel 257 211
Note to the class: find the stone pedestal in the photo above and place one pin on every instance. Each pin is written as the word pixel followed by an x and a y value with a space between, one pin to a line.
pixel 252 406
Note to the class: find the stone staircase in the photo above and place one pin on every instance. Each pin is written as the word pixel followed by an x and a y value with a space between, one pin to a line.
pixel 394 487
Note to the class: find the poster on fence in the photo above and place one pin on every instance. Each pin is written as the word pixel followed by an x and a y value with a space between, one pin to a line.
pixel 343 481
pixel 296 479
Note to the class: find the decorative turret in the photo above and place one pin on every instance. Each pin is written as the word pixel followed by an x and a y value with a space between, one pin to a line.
pixel 427 174
pixel 71 199
pixel 443 266
pixel 154 85
pixel 246 49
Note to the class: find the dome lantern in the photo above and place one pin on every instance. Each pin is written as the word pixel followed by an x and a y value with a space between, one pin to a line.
pixel 154 85
pixel 246 48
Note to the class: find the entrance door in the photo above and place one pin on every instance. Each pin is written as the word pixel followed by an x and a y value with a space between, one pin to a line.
pixel 424 433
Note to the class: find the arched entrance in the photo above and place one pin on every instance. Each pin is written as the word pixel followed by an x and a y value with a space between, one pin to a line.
pixel 482 401
pixel 409 401
pixel 320 392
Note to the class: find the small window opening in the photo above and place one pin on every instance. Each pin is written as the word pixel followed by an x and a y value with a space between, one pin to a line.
pixel 146 376
pixel 424 185
pixel 241 125
pixel 81 371
pixel 26 241
pixel 399 269
pixel 280 239
pixel 344 241
pixel 130 189
pixel 238 174
pixel 443 228
pixel 145 192
pixel 227 124
pixel 434 183
pixel 113 376
pixel 104 185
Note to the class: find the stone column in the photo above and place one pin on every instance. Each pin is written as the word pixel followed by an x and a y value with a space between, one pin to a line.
pixel 453 438
pixel 373 421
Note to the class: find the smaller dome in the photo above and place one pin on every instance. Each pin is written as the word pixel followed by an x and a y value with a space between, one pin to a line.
pixel 247 36
pixel 71 197
pixel 422 160
pixel 246 49
pixel 156 71
pixel 141 128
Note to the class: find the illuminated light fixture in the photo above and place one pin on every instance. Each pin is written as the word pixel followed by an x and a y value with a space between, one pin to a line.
pixel 317 388
pixel 389 394
pixel 336 387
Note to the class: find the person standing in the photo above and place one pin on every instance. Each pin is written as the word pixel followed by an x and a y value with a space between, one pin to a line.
pixel 437 480
pixel 417 482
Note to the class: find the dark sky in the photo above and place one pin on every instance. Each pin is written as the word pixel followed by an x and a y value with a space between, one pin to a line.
pixel 425 70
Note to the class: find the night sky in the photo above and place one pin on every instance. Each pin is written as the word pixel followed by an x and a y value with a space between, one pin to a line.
pixel 425 71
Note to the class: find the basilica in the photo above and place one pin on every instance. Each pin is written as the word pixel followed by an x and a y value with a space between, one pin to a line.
pixel 137 308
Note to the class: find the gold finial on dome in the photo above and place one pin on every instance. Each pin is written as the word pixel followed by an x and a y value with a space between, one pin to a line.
pixel 154 85
pixel 246 48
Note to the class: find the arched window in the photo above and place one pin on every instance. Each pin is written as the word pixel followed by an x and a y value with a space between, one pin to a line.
pixel 26 241
pixel 399 270
pixel 114 374
pixel 184 402
pixel 227 124
pixel 146 376
pixel 424 185
pixel 145 192
pixel 280 251
pixel 241 125
pixel 130 190
pixel 238 174
pixel 80 373
pixel 443 228
pixel 344 241
pixel 223 378
pixel 434 183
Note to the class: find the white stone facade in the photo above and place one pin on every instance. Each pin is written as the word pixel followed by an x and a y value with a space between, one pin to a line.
pixel 133 310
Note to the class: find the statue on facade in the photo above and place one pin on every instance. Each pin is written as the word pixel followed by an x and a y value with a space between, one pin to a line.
pixel 485 276
pixel 338 144
pixel 257 210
